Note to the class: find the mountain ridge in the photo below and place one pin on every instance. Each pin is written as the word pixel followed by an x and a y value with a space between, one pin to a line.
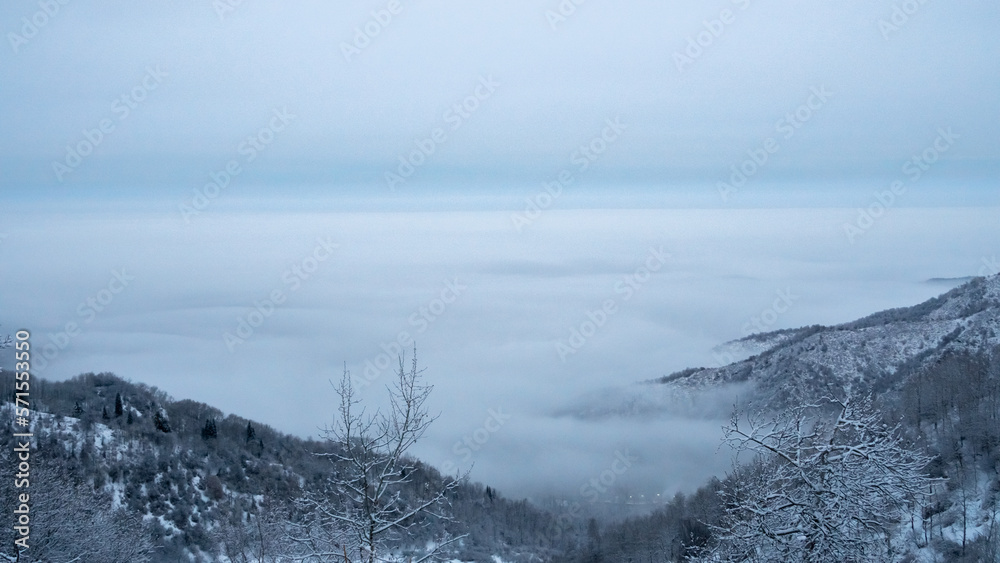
pixel 859 355
pixel 789 365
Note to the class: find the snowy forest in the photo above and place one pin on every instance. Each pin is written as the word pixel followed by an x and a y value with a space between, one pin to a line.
pixel 889 459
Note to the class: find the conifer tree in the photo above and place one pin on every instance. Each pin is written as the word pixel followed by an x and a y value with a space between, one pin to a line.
pixel 209 431
pixel 160 422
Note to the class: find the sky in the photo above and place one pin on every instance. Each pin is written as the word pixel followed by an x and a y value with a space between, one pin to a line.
pixel 484 179
pixel 182 86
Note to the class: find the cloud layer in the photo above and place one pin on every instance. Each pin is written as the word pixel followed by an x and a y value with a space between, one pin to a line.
pixel 255 313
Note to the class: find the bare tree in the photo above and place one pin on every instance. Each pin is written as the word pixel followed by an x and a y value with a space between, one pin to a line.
pixel 251 536
pixel 70 523
pixel 821 488
pixel 368 503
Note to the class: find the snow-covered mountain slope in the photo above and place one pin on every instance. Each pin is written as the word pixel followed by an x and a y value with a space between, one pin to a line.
pixel 758 343
pixel 192 495
pixel 790 365
pixel 933 371
pixel 864 354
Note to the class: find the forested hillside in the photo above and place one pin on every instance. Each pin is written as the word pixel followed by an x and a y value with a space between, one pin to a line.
pixel 125 473
pixel 932 373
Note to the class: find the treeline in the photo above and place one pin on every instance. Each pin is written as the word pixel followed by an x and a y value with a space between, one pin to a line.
pixel 953 407
pixel 671 533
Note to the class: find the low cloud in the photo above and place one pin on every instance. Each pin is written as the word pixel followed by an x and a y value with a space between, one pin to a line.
pixel 492 344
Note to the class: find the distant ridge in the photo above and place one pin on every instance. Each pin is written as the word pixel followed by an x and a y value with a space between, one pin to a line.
pixel 950 281
pixel 775 369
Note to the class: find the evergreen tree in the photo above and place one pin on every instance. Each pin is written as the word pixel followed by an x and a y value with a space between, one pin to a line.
pixel 77 410
pixel 160 421
pixel 129 419
pixel 119 406
pixel 251 433
pixel 209 431
pixel 104 413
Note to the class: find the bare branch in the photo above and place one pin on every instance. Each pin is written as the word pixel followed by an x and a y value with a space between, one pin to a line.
pixel 370 500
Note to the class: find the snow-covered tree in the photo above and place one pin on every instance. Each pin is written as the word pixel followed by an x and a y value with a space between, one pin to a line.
pixel 253 534
pixel 827 483
pixel 70 522
pixel 367 504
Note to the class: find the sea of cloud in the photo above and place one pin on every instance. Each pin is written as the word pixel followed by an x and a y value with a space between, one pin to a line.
pixel 255 312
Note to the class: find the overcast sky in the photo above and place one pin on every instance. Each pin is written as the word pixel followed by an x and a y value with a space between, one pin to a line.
pixel 165 167
pixel 360 102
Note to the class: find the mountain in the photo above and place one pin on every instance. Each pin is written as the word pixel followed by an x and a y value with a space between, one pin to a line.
pixel 870 355
pixel 932 374
pixel 863 356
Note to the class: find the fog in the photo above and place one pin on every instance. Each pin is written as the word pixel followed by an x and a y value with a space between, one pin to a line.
pixel 492 311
